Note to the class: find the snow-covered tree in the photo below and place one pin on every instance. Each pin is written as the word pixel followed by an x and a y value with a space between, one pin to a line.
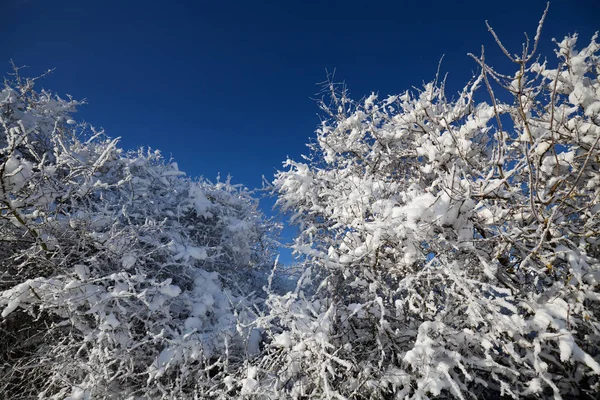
pixel 451 245
pixel 119 276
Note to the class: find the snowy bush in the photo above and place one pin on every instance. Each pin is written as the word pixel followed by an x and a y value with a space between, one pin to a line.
pixel 449 248
pixel 119 276
pixel 451 245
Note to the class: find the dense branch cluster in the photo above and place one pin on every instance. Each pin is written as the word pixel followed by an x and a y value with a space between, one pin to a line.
pixel 449 248
pixel 453 244
pixel 119 276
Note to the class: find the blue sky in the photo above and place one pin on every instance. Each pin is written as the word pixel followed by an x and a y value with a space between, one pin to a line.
pixel 227 86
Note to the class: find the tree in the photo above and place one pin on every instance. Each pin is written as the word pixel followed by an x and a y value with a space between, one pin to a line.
pixel 119 276
pixel 450 245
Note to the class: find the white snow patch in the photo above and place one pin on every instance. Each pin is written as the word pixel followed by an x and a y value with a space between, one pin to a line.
pixel 283 340
pixel 199 253
pixel 128 261
pixel 82 271
pixel 110 322
pixel 170 290
pixel 250 384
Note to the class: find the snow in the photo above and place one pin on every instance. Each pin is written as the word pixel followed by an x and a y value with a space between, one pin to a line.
pixel 565 344
pixel 198 253
pixel 110 322
pixel 128 261
pixel 165 357
pixel 170 290
pixel 201 202
pixel 78 393
pixel 229 382
pixel 192 323
pixel 11 306
pixel 17 170
pixel 249 384
pixel 82 271
pixel 283 340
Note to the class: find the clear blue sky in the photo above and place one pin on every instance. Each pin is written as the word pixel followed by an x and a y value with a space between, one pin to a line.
pixel 226 86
